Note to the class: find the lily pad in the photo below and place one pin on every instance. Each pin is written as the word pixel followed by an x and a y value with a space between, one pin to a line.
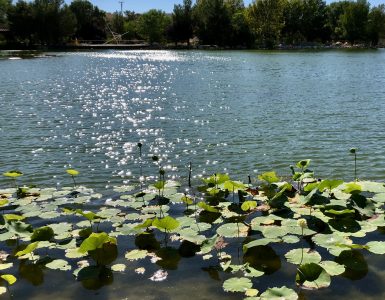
pixel 167 223
pixel 332 268
pixel 10 279
pixel 303 256
pixel 376 247
pixel 312 276
pixel 279 293
pixel 59 264
pixel 237 284
pixel 233 230
pixel 136 254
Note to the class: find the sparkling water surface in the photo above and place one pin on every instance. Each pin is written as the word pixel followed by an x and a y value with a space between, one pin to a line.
pixel 238 112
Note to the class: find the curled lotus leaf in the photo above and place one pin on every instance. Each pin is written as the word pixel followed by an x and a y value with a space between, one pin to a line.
pixel 96 241
pixel 167 223
pixel 279 293
pixel 248 205
pixel 3 202
pixel 10 279
pixel 269 177
pixel 72 172
pixel 236 284
pixel 13 173
pixel 207 207
pixel 30 248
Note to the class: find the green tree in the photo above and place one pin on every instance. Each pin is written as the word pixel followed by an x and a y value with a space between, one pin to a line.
pixel 21 21
pixel 153 24
pixel 266 21
pixel 213 24
pixel 314 20
pixel 239 34
pixel 5 6
pixel 293 18
pixel 354 21
pixel 376 24
pixel 91 23
pixel 181 28
pixel 334 13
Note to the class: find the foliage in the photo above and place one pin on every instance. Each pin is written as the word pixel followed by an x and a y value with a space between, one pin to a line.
pixel 153 24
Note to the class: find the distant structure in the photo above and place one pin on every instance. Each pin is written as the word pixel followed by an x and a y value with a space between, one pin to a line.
pixel 121 7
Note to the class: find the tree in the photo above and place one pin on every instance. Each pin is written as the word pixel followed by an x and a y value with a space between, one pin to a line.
pixel 334 12
pixel 314 20
pixel 21 20
pixel 212 22
pixel 354 21
pixel 239 34
pixel 5 6
pixel 152 25
pixel 181 28
pixel 91 23
pixel 376 24
pixel 293 18
pixel 266 21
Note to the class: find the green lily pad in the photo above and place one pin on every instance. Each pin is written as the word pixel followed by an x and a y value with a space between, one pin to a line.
pixel 329 184
pixel 376 247
pixel 312 276
pixel 272 232
pixel 303 256
pixel 379 198
pixel 59 264
pixel 279 293
pixel 207 207
pixel 236 284
pixel 332 268
pixel 233 230
pixel 118 267
pixel 233 186
pixel 136 254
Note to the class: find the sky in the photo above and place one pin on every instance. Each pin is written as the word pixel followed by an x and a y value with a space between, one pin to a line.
pixel 141 6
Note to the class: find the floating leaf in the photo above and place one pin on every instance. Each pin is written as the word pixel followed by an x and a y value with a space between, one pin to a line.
pixel 312 276
pixel 5 266
pixel 279 293
pixel 167 223
pixel 3 202
pixel 332 268
pixel 9 278
pixel 118 267
pixel 376 247
pixel 136 254
pixel 3 290
pixel 42 234
pixel 352 187
pixel 303 256
pixel 72 172
pixel 187 200
pixel 216 179
pixel 13 217
pixel 59 264
pixel 237 284
pixel 233 230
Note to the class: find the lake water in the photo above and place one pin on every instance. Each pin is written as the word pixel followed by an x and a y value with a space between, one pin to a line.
pixel 239 112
